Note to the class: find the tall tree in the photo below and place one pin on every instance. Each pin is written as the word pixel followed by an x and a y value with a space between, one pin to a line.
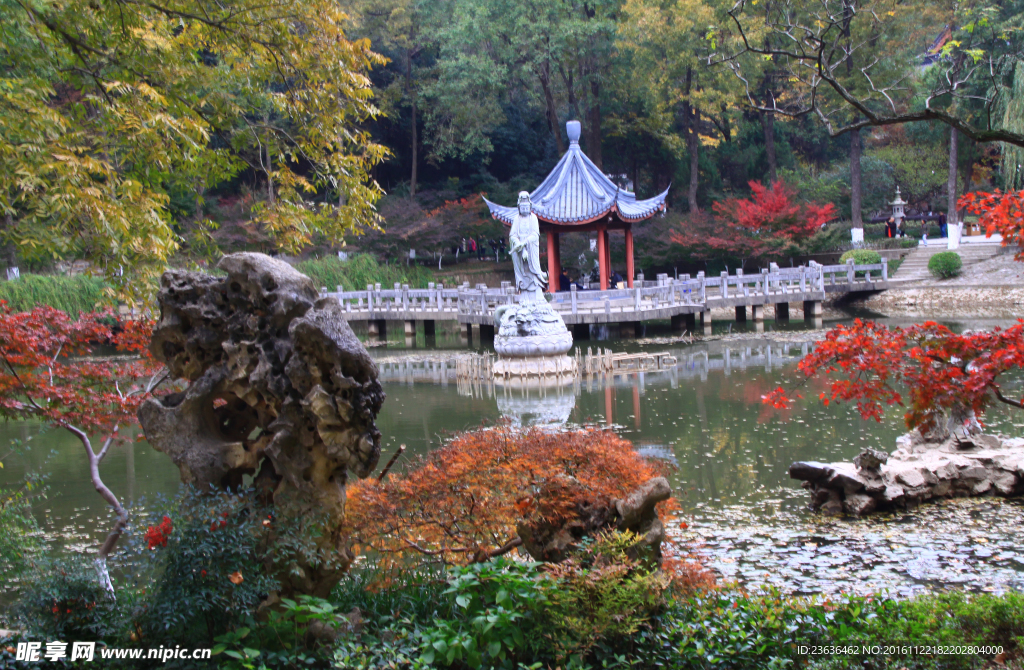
pixel 962 81
pixel 671 44
pixel 106 106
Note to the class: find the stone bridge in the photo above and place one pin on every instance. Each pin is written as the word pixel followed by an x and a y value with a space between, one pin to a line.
pixel 683 301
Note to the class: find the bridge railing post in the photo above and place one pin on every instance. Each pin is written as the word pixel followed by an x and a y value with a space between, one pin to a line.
pixel 572 293
pixel 764 282
pixel 885 269
pixel 850 273
pixel 725 284
pixel 636 299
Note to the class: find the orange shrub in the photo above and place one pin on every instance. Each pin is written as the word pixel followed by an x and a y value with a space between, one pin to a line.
pixel 462 503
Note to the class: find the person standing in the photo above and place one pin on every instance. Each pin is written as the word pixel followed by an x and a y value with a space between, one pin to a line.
pixel 943 230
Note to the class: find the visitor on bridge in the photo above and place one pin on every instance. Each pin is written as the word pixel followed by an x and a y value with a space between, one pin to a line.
pixel 564 283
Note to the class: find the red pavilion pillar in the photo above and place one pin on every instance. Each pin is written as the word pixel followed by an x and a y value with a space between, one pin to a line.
pixel 603 261
pixel 554 262
pixel 629 257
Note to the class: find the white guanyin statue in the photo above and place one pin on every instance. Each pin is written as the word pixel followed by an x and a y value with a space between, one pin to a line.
pixel 531 337
pixel 524 241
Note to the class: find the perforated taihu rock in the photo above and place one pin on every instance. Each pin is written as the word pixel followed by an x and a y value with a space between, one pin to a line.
pixel 277 385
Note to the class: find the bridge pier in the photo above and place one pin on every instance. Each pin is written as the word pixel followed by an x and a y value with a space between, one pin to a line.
pixel 741 313
pixel 812 309
pixel 486 332
pixel 757 313
pixel 430 332
pixel 410 329
pixel 581 331
pixel 467 334
pixel 681 322
pixel 782 311
pixel 378 329
pixel 705 322
pixel 630 329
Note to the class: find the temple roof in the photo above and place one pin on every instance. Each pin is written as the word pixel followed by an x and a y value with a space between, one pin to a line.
pixel 577 192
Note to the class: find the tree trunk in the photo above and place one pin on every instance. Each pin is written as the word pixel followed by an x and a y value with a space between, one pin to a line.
pixel 122 515
pixel 691 116
pixel 270 180
pixel 692 146
pixel 415 142
pixel 855 213
pixel 768 126
pixel 551 110
pixel 951 216
pixel 12 249
pixel 595 125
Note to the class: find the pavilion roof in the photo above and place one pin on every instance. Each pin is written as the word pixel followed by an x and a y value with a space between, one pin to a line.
pixel 577 192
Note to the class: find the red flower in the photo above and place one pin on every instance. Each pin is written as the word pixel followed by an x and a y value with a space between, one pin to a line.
pixel 202 573
pixel 156 536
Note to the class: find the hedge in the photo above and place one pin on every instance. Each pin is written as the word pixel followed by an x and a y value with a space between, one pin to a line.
pixel 862 257
pixel 945 264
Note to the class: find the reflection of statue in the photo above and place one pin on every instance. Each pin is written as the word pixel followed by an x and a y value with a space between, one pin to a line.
pixel 524 238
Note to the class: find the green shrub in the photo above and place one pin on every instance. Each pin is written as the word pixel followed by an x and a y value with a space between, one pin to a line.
pixel 360 270
pixel 18 528
pixel 602 595
pixel 945 264
pixel 66 602
pixel 861 257
pixel 72 295
pixel 211 571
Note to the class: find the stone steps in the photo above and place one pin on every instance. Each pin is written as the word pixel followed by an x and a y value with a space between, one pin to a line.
pixel 915 264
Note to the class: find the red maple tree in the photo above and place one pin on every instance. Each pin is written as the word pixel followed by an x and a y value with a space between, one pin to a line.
pixel 49 371
pixel 767 224
pixel 946 374
pixel 999 212
pixel 463 502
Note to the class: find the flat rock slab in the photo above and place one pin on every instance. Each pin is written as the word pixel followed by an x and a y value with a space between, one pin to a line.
pixel 917 471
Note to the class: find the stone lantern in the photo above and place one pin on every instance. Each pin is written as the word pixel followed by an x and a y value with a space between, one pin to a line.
pixel 897 207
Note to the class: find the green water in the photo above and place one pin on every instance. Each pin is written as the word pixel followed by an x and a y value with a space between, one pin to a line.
pixel 729 451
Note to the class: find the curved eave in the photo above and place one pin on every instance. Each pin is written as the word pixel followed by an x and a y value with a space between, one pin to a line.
pixel 627 211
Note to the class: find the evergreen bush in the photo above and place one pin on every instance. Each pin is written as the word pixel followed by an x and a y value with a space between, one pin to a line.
pixel 861 257
pixel 945 264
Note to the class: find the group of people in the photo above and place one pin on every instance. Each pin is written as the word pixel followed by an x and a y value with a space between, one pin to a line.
pixel 479 248
pixel 894 228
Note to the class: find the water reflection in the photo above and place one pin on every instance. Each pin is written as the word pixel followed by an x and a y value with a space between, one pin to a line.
pixel 730 455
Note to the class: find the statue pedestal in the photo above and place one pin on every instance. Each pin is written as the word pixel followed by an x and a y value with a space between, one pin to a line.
pixel 531 342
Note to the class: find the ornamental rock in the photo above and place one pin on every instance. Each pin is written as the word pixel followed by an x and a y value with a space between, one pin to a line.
pixel 279 389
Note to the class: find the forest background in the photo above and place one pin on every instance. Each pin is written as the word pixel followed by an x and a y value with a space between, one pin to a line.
pixel 311 128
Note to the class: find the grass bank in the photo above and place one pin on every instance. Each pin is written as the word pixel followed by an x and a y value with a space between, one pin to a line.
pixel 72 295
pixel 360 270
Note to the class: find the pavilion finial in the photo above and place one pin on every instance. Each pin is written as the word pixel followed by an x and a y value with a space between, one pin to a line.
pixel 572 129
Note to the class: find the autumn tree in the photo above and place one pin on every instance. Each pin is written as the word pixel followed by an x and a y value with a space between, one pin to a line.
pixel 466 501
pixel 108 109
pixel 950 378
pixel 767 224
pixel 50 373
pixel 670 45
pixel 857 65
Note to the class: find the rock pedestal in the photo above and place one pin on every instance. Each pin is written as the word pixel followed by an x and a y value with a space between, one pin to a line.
pixel 917 471
pixel 278 388
pixel 636 512
pixel 531 342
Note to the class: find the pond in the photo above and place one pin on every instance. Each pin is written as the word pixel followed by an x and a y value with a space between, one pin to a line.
pixel 729 455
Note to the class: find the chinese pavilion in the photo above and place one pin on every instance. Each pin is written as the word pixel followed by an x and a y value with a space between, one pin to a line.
pixel 578 197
